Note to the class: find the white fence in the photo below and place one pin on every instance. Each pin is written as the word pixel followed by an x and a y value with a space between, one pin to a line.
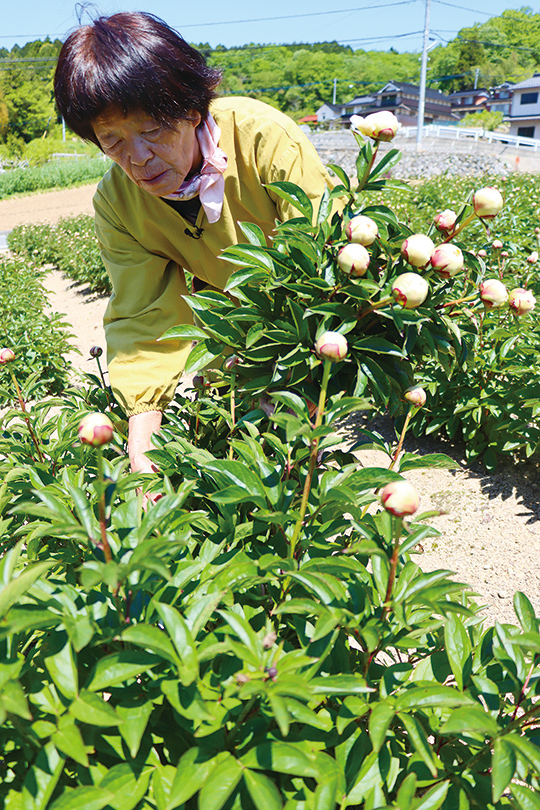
pixel 466 133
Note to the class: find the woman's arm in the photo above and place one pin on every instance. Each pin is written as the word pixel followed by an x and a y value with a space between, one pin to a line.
pixel 141 428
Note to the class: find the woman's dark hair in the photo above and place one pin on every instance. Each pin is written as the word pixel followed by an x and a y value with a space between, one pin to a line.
pixel 132 61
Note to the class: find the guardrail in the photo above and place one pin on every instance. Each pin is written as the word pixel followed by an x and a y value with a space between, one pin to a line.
pixel 467 133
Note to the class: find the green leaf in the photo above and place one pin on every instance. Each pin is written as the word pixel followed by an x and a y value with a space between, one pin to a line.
pixel 183 641
pixel 380 718
pixel 263 792
pixel 68 739
pixel 201 356
pixel 423 697
pixel 340 173
pixel 91 798
pixel 525 612
pixel 253 233
pixel 458 649
pixel 191 774
pixel 184 331
pixel 126 785
pixel 470 719
pixel 526 798
pixel 42 778
pixel 120 667
pixel 419 739
pixel 62 666
pixel 434 798
pixel 11 593
pixel 92 709
pixel 151 638
pixel 134 721
pixel 435 460
pixel 503 766
pixel 526 748
pixel 294 195
pixel 220 784
pixel 281 757
pixel 340 685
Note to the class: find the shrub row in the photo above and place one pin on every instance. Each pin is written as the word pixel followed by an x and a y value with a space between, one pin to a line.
pixel 52 175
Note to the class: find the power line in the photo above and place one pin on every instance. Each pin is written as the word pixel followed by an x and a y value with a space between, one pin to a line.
pixel 464 8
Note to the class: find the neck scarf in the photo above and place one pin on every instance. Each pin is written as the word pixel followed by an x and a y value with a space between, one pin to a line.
pixel 208 183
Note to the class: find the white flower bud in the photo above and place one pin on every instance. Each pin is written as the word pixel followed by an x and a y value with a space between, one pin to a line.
pixel 533 258
pixel 447 260
pixel 497 245
pixel 410 290
pixel 487 202
pixel 96 429
pixel 445 221
pixel 493 293
pixel 362 230
pixel 6 356
pixel 332 346
pixel 381 126
pixel 353 259
pixel 417 249
pixel 400 498
pixel 416 396
pixel 521 301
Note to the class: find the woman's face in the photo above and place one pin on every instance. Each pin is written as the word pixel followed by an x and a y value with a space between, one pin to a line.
pixel 156 158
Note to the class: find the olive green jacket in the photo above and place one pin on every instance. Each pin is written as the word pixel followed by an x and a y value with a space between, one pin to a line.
pixel 144 244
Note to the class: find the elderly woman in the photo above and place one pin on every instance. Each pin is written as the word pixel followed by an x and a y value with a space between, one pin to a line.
pixel 187 167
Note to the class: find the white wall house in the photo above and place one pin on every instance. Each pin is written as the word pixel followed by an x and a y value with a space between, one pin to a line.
pixel 524 116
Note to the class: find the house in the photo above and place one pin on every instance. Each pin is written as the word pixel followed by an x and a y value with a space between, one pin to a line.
pixel 403 100
pixel 465 102
pixel 501 98
pixel 357 106
pixel 524 116
pixel 328 112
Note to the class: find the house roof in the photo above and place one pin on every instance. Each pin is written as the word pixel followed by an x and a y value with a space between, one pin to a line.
pixel 411 88
pixel 359 100
pixel 472 92
pixel 334 107
pixel 529 117
pixel 534 81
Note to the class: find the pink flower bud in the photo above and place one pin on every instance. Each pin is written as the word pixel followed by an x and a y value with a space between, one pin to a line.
pixel 521 301
pixel 362 230
pixel 537 230
pixel 417 249
pixel 447 260
pixel 400 498
pixel 96 429
pixel 6 356
pixel 198 382
pixel 497 245
pixel 353 259
pixel 446 220
pixel 381 126
pixel 504 254
pixel 487 202
pixel 493 293
pixel 96 351
pixel 332 346
pixel 410 290
pixel 482 254
pixel 231 362
pixel 533 258
pixel 416 396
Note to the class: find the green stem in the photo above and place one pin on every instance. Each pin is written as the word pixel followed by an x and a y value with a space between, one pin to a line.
pixel 393 568
pixel 365 176
pixel 311 469
pixel 105 386
pixel 464 224
pixel 401 438
pixel 382 303
pixel 101 507
pixel 25 415
pixel 233 410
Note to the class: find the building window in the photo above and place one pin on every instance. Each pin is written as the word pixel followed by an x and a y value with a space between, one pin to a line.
pixel 389 101
pixel 504 94
pixel 529 98
pixel 525 132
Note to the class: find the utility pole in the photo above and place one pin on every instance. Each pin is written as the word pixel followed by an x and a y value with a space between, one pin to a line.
pixel 422 99
pixel 477 71
pixel 63 129
pixel 335 92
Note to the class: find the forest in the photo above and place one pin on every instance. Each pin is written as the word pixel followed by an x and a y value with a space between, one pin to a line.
pixel 296 78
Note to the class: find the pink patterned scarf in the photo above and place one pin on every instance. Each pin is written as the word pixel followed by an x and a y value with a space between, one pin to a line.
pixel 208 183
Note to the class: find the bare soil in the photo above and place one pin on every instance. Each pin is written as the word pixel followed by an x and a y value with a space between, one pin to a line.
pixel 490 534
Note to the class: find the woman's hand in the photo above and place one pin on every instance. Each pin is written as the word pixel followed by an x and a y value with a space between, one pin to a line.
pixel 141 428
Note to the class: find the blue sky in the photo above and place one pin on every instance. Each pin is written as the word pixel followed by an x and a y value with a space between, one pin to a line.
pixel 366 24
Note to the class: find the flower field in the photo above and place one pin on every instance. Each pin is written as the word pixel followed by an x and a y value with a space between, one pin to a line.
pixel 262 637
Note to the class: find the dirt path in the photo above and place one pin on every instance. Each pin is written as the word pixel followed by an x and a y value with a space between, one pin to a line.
pixel 490 534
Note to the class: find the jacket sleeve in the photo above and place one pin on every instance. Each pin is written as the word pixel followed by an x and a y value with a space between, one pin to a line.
pixel 146 301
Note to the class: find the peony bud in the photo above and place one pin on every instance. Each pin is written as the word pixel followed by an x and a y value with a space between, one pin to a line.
pixel 493 293
pixel 353 259
pixel 231 362
pixel 96 429
pixel 521 301
pixel 482 254
pixel 400 498
pixel 445 221
pixel 533 258
pixel 6 356
pixel 497 245
pixel 537 230
pixel 331 346
pixel 410 290
pixel 96 351
pixel 198 382
pixel 504 254
pixel 416 396
pixel 362 230
pixel 381 126
pixel 487 202
pixel 447 260
pixel 417 249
